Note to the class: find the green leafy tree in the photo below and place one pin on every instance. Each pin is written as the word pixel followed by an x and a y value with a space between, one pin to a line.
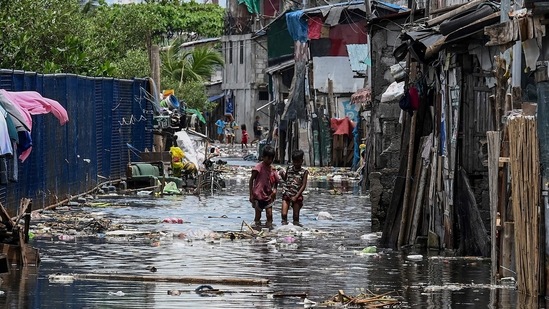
pixel 186 71
pixel 43 35
pixel 197 64
pixel 92 38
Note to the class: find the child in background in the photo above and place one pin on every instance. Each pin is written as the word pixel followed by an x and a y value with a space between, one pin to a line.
pixel 295 181
pixel 262 186
pixel 244 141
pixel 220 124
pixel 258 130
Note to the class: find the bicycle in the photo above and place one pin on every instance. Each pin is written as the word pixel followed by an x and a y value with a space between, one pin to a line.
pixel 211 181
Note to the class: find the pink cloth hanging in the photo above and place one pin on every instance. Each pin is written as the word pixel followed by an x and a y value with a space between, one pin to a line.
pixel 33 103
pixel 36 104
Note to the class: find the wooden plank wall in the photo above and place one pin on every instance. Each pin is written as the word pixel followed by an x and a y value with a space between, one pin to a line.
pixel 476 121
pixel 343 150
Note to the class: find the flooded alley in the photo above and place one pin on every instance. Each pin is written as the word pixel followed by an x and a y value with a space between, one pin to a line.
pixel 320 258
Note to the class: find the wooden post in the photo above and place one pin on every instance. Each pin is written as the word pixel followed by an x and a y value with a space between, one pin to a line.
pixel 508 268
pixel 494 144
pixel 155 66
pixel 418 205
pixel 330 98
pixel 413 196
pixel 405 202
pixel 542 81
pixel 525 188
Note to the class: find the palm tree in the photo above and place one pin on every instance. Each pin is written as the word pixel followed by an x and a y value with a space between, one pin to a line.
pixel 197 64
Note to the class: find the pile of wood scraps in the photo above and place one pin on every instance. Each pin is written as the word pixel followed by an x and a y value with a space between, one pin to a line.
pixel 364 300
pixel 14 238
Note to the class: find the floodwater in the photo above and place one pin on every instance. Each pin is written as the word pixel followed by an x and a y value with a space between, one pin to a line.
pixel 318 259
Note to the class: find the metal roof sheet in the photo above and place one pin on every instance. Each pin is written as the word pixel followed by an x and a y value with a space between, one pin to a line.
pixel 359 56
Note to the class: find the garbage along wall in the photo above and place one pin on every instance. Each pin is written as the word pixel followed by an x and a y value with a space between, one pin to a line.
pixel 104 115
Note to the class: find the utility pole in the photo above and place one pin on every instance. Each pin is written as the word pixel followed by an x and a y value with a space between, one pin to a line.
pixel 155 65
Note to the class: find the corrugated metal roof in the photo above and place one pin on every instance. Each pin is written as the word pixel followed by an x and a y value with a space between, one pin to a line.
pixel 359 56
pixel 324 10
pixel 280 67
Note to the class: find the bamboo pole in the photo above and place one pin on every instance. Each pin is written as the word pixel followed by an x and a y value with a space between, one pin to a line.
pixel 76 196
pixel 179 279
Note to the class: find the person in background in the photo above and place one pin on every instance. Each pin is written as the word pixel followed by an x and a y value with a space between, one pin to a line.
pixel 263 184
pixel 220 124
pixel 257 130
pixel 229 132
pixel 244 140
pixel 295 181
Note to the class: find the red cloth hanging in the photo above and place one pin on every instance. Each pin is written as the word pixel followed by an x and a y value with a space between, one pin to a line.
pixel 342 126
pixel 315 27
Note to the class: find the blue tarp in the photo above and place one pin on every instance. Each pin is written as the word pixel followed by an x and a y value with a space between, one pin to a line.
pixel 393 6
pixel 297 26
pixel 215 97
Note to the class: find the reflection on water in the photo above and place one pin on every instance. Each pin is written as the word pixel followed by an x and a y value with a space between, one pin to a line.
pixel 319 262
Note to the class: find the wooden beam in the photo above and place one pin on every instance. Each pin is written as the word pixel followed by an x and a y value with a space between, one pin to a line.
pixel 494 146
pixel 179 279
pixel 504 159
pixel 406 199
pixel 443 17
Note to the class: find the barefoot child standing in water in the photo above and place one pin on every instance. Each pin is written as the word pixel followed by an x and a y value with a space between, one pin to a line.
pixel 262 186
pixel 295 181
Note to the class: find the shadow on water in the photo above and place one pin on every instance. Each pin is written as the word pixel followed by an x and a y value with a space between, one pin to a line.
pixel 319 259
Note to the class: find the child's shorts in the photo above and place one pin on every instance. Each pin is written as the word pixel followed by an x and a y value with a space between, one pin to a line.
pixel 288 199
pixel 263 204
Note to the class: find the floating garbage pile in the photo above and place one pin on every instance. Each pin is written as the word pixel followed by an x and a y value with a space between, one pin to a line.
pixel 365 299
pixel 67 223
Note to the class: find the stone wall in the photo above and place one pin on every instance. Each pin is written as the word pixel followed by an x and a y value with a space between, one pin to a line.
pixel 385 136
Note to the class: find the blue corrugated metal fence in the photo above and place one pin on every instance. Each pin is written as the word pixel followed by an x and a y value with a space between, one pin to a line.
pixel 104 115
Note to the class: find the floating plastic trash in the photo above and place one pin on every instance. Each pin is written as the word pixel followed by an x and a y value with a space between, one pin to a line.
pixel 368 237
pixel 173 220
pixel 59 278
pixel 288 239
pixel 119 293
pixel 324 215
pixel 415 257
pixel 370 249
pixel 66 237
pixel 307 303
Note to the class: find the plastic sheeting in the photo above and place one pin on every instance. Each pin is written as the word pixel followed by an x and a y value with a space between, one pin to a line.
pixel 342 126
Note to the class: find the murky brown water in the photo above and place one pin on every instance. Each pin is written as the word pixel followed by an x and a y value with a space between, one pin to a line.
pixel 318 259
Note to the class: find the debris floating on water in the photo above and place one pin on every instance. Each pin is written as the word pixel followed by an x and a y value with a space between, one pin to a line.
pixel 364 300
pixel 59 278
